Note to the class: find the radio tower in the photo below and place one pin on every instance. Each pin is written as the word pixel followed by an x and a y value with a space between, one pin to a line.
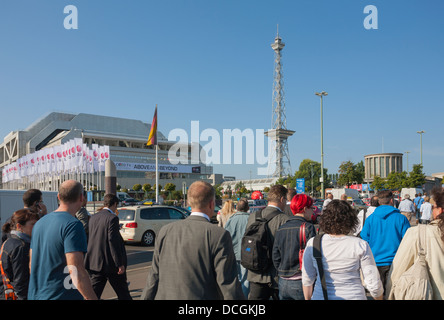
pixel 279 159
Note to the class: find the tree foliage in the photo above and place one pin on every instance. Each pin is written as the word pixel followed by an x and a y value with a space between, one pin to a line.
pixel 350 173
pixel 399 180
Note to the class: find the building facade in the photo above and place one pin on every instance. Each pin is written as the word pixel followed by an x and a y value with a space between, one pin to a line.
pixel 382 164
pixel 126 138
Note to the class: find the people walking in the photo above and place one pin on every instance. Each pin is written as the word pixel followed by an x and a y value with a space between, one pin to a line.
pixel 426 211
pixel 194 259
pixel 32 200
pixel 384 230
pixel 106 257
pixel 327 201
pixel 236 226
pixel 58 245
pixel 406 207
pixel 344 258
pixel 83 215
pixel 289 241
pixel 432 243
pixel 290 194
pixel 14 253
pixel 225 213
pixel 418 201
pixel 365 213
pixel 264 285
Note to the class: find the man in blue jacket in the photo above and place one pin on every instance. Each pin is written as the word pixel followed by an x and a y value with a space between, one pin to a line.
pixel 384 230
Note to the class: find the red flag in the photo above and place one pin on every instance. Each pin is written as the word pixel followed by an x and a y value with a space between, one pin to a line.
pixel 152 138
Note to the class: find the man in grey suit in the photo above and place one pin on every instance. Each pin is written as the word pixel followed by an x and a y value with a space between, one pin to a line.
pixel 193 258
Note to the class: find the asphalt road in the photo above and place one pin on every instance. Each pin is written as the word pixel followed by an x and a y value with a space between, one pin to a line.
pixel 139 263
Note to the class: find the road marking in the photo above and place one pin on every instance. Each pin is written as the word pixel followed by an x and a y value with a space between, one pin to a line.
pixel 136 252
pixel 137 269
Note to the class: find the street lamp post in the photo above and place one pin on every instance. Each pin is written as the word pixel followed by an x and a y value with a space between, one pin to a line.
pixel 311 167
pixel 407 154
pixel 321 94
pixel 420 145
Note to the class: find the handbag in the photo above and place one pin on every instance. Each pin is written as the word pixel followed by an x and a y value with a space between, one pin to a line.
pixel 302 244
pixel 8 288
pixel 414 283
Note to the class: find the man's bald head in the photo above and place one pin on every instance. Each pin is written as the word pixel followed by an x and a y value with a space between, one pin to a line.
pixel 70 191
pixel 200 195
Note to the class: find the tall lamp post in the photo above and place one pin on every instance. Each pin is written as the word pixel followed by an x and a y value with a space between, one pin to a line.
pixel 322 94
pixel 407 154
pixel 420 145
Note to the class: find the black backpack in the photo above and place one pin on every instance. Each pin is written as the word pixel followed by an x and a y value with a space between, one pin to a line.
pixel 256 244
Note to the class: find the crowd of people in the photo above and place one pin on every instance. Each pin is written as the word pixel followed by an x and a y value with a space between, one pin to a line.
pixel 69 254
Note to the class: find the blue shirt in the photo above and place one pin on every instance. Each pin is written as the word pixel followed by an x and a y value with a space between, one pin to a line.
pixel 384 230
pixel 54 235
pixel 418 202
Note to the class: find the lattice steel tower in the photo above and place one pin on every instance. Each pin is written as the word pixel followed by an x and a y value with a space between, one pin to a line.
pixel 279 158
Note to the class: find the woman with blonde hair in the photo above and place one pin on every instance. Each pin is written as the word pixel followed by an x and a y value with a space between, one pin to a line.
pixel 225 213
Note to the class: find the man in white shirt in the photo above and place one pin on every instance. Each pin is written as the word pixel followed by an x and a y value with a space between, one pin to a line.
pixel 407 207
pixel 426 211
pixel 327 201
pixel 364 214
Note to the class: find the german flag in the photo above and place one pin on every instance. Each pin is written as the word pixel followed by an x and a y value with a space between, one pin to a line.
pixel 152 138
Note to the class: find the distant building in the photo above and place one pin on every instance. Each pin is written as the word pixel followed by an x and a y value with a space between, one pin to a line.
pixel 251 184
pixel 126 139
pixel 382 164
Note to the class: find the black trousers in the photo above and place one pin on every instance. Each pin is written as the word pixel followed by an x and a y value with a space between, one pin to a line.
pixel 117 281
pixel 383 273
pixel 262 291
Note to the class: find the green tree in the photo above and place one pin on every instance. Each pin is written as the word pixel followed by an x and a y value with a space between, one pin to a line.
pixel 350 173
pixel 288 181
pixel 397 180
pixel 170 187
pixel 177 195
pixel 218 188
pixel 240 189
pixel 378 183
pixel 146 187
pixel 137 187
pixel 310 170
pixel 417 177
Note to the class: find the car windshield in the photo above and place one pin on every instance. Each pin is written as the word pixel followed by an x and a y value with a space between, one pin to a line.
pixel 360 202
pixel 126 214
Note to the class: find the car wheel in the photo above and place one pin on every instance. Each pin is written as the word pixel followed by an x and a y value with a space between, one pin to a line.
pixel 148 238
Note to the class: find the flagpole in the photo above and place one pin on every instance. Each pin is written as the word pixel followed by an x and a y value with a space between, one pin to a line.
pixel 157 174
pixel 157 163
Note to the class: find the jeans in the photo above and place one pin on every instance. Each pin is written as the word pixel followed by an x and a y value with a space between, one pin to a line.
pixel 290 289
pixel 242 275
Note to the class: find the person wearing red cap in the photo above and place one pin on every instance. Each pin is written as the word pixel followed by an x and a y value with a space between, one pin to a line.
pixel 290 240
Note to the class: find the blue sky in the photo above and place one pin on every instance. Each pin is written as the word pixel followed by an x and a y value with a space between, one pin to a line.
pixel 211 61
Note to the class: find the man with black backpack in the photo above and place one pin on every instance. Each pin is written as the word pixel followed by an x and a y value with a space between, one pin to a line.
pixel 258 244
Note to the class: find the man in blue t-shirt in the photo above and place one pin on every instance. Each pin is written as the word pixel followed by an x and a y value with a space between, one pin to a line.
pixel 418 201
pixel 57 251
pixel 384 230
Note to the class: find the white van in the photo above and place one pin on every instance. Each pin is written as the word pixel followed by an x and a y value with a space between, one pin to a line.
pixel 12 200
pixel 351 193
pixel 411 192
pixel 122 195
pixel 143 223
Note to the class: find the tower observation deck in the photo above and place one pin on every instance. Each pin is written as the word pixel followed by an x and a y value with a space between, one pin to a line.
pixel 279 158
